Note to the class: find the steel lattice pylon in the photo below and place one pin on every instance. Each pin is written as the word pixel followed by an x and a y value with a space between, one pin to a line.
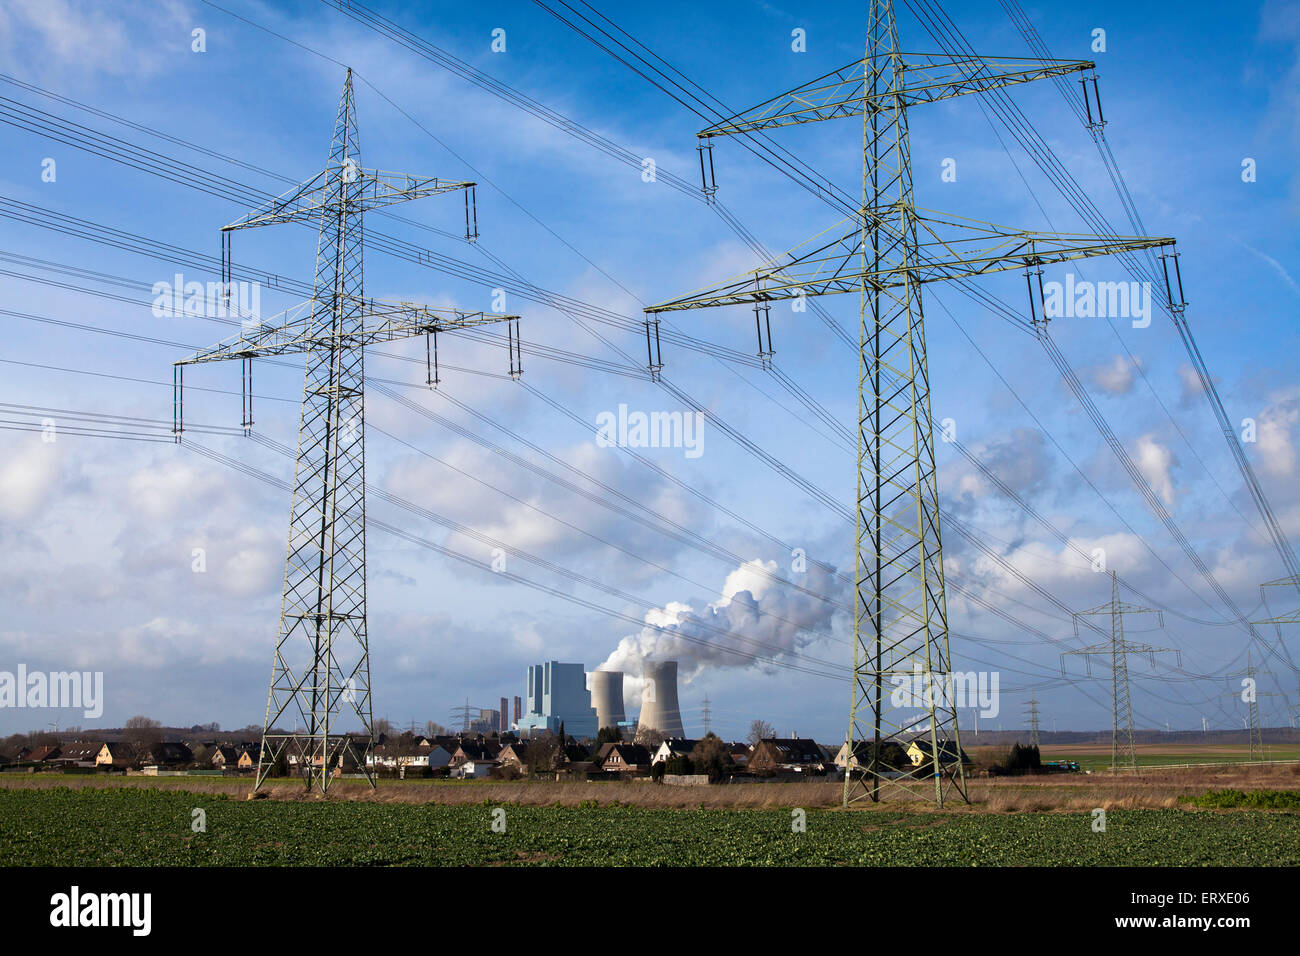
pixel 321 672
pixel 885 253
pixel 1250 695
pixel 1033 723
pixel 1123 750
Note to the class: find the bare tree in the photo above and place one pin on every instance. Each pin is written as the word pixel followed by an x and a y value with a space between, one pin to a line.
pixel 650 738
pixel 142 734
pixel 760 730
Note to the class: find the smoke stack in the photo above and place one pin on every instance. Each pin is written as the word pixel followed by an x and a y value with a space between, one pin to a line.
pixel 659 708
pixel 607 698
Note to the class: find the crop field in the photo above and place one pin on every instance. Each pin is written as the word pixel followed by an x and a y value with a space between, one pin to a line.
pixel 1097 756
pixel 137 826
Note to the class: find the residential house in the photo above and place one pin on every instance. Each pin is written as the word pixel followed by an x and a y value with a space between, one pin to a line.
pixel 623 758
pixel 481 750
pixel 515 755
pixel 249 754
pixel 673 747
pixel 791 754
pixel 739 753
pixel 116 755
pixel 44 754
pixel 80 754
pixel 919 752
pixel 474 768
pixel 225 757
pixel 167 754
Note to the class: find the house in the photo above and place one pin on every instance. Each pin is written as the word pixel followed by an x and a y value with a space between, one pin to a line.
pixel 249 754
pixel 739 753
pixel 421 755
pixel 796 754
pixel 471 750
pixel 225 756
pixel 623 758
pixel 515 755
pixel 167 754
pixel 918 751
pixel 673 747
pixel 115 755
pixel 44 754
pixel 80 754
pixel 474 769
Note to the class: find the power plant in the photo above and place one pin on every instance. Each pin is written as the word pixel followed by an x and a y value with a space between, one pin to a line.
pixel 557 694
pixel 607 698
pixel 659 709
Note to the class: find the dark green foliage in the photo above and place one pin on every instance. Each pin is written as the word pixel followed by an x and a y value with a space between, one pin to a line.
pixel 1253 799
pixel 1022 759
pixel 680 764
pixel 711 756
pixel 151 827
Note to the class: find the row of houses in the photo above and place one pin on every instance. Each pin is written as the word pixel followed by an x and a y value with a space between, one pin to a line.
pixel 478 757
pixel 120 755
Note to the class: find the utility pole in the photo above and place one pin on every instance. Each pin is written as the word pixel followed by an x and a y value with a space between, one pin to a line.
pixel 463 714
pixel 1033 722
pixel 1123 751
pixel 1250 694
pixel 321 671
pixel 884 251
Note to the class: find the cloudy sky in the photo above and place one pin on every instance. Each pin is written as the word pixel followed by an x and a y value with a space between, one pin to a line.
pixel 99 535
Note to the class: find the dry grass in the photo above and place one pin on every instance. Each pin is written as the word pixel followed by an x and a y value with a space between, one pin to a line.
pixel 1151 789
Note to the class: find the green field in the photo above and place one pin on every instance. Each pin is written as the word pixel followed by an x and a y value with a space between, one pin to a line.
pixel 145 827
pixel 1158 758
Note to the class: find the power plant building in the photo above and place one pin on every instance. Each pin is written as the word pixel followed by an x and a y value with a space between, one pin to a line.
pixel 659 708
pixel 607 698
pixel 557 693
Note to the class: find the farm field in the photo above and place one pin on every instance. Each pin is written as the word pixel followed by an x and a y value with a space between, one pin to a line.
pixel 137 826
pixel 1097 756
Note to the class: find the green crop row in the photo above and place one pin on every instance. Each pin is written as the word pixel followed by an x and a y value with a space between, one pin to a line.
pixel 137 827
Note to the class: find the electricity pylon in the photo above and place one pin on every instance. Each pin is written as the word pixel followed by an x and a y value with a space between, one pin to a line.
pixel 885 252
pixel 322 658
pixel 1033 722
pixel 1123 751
pixel 1250 695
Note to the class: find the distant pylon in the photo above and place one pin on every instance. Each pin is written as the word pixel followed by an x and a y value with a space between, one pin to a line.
pixel 1250 695
pixel 1033 723
pixel 1123 751
pixel 706 716
pixel 884 251
pixel 322 655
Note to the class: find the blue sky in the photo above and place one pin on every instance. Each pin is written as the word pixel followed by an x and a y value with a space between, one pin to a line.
pixel 97 535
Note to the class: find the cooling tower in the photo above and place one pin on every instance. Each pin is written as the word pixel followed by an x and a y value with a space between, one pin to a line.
pixel 659 707
pixel 607 698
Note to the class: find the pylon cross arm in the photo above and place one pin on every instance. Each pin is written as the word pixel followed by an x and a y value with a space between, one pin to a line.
pixel 364 189
pixel 298 329
pixel 927 78
pixel 950 248
pixel 1290 618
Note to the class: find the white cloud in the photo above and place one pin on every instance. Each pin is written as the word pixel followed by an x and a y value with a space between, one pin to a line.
pixel 1156 463
pixel 1277 450
pixel 1115 377
pixel 27 479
